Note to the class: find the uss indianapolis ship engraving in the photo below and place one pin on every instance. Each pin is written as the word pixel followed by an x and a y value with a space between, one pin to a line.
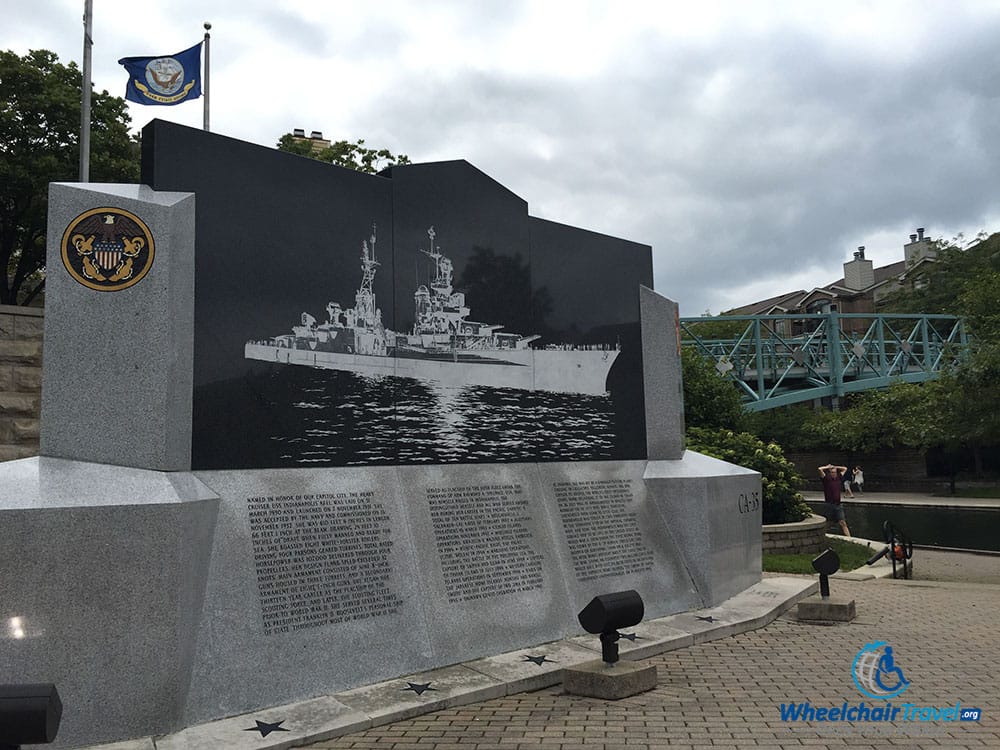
pixel 443 346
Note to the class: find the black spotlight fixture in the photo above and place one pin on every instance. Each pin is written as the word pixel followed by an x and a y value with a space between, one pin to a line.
pixel 29 715
pixel 606 614
pixel 826 564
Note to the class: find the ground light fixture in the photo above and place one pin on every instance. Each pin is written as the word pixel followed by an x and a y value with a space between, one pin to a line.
pixel 29 715
pixel 606 614
pixel 826 564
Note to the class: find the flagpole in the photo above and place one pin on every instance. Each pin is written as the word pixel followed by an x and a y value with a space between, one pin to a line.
pixel 207 58
pixel 85 86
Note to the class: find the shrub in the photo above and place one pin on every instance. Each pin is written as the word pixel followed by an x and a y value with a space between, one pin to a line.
pixel 709 400
pixel 779 481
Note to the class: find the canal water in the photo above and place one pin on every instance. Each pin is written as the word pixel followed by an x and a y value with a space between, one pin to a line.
pixel 937 526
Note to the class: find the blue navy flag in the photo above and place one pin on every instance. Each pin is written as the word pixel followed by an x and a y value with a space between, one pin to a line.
pixel 170 79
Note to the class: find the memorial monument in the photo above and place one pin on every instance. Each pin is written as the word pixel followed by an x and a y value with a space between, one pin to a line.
pixel 304 429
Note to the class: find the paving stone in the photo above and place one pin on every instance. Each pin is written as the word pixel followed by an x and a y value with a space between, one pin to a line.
pixel 727 692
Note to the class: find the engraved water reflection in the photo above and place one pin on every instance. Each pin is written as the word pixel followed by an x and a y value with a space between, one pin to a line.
pixel 348 419
pixel 299 417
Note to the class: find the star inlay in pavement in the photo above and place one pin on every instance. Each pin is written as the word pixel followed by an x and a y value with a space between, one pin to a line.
pixel 539 660
pixel 265 728
pixel 706 619
pixel 419 688
pixel 631 636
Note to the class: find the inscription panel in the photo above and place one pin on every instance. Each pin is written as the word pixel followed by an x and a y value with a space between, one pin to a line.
pixel 484 541
pixel 603 535
pixel 321 559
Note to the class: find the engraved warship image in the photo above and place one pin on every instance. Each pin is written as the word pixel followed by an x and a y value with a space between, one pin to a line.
pixel 443 345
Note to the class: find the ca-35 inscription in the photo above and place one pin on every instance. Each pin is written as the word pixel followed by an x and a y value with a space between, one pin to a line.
pixel 748 502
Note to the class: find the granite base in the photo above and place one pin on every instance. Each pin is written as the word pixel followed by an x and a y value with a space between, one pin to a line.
pixel 612 682
pixel 240 590
pixel 831 609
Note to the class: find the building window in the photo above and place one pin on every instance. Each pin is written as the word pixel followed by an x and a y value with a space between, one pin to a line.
pixel 821 307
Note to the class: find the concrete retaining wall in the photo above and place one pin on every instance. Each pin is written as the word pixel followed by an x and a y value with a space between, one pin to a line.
pixel 795 538
pixel 20 380
pixel 899 469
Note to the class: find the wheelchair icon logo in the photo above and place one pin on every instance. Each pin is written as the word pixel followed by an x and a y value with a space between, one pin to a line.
pixel 876 674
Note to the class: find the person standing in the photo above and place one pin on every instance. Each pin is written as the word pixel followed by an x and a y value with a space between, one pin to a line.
pixel 859 479
pixel 848 477
pixel 833 480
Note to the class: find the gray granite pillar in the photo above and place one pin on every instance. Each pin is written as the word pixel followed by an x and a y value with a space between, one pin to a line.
pixel 661 376
pixel 104 572
pixel 119 326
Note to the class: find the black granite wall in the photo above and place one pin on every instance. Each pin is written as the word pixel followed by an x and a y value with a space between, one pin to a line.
pixel 280 235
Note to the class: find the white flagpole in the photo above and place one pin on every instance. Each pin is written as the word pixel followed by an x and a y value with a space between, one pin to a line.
pixel 205 82
pixel 85 86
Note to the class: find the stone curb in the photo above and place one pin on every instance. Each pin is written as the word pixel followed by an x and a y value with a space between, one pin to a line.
pixel 524 670
pixel 880 569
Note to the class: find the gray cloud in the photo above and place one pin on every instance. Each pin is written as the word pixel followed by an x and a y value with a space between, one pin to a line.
pixel 748 153
pixel 773 153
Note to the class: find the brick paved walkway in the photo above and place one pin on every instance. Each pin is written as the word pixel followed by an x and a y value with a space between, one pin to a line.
pixel 936 565
pixel 726 694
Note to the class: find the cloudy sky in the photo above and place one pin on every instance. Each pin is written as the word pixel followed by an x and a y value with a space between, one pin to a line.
pixel 754 145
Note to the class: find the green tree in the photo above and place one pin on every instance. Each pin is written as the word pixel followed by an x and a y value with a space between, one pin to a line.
pixel 958 410
pixel 793 425
pixel 886 418
pixel 962 407
pixel 937 288
pixel 979 304
pixel 710 400
pixel 713 328
pixel 946 413
pixel 354 155
pixel 39 144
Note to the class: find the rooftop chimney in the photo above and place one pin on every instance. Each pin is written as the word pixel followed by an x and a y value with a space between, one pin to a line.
pixel 318 135
pixel 919 247
pixel 299 133
pixel 859 273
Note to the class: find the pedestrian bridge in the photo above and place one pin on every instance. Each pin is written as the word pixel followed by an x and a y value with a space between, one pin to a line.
pixel 777 360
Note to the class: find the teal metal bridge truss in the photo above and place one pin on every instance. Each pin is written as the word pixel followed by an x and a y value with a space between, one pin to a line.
pixel 777 360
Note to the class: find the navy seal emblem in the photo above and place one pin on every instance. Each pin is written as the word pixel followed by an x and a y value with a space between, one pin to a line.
pixel 165 75
pixel 107 249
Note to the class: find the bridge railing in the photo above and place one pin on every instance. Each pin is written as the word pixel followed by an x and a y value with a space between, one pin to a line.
pixel 783 359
